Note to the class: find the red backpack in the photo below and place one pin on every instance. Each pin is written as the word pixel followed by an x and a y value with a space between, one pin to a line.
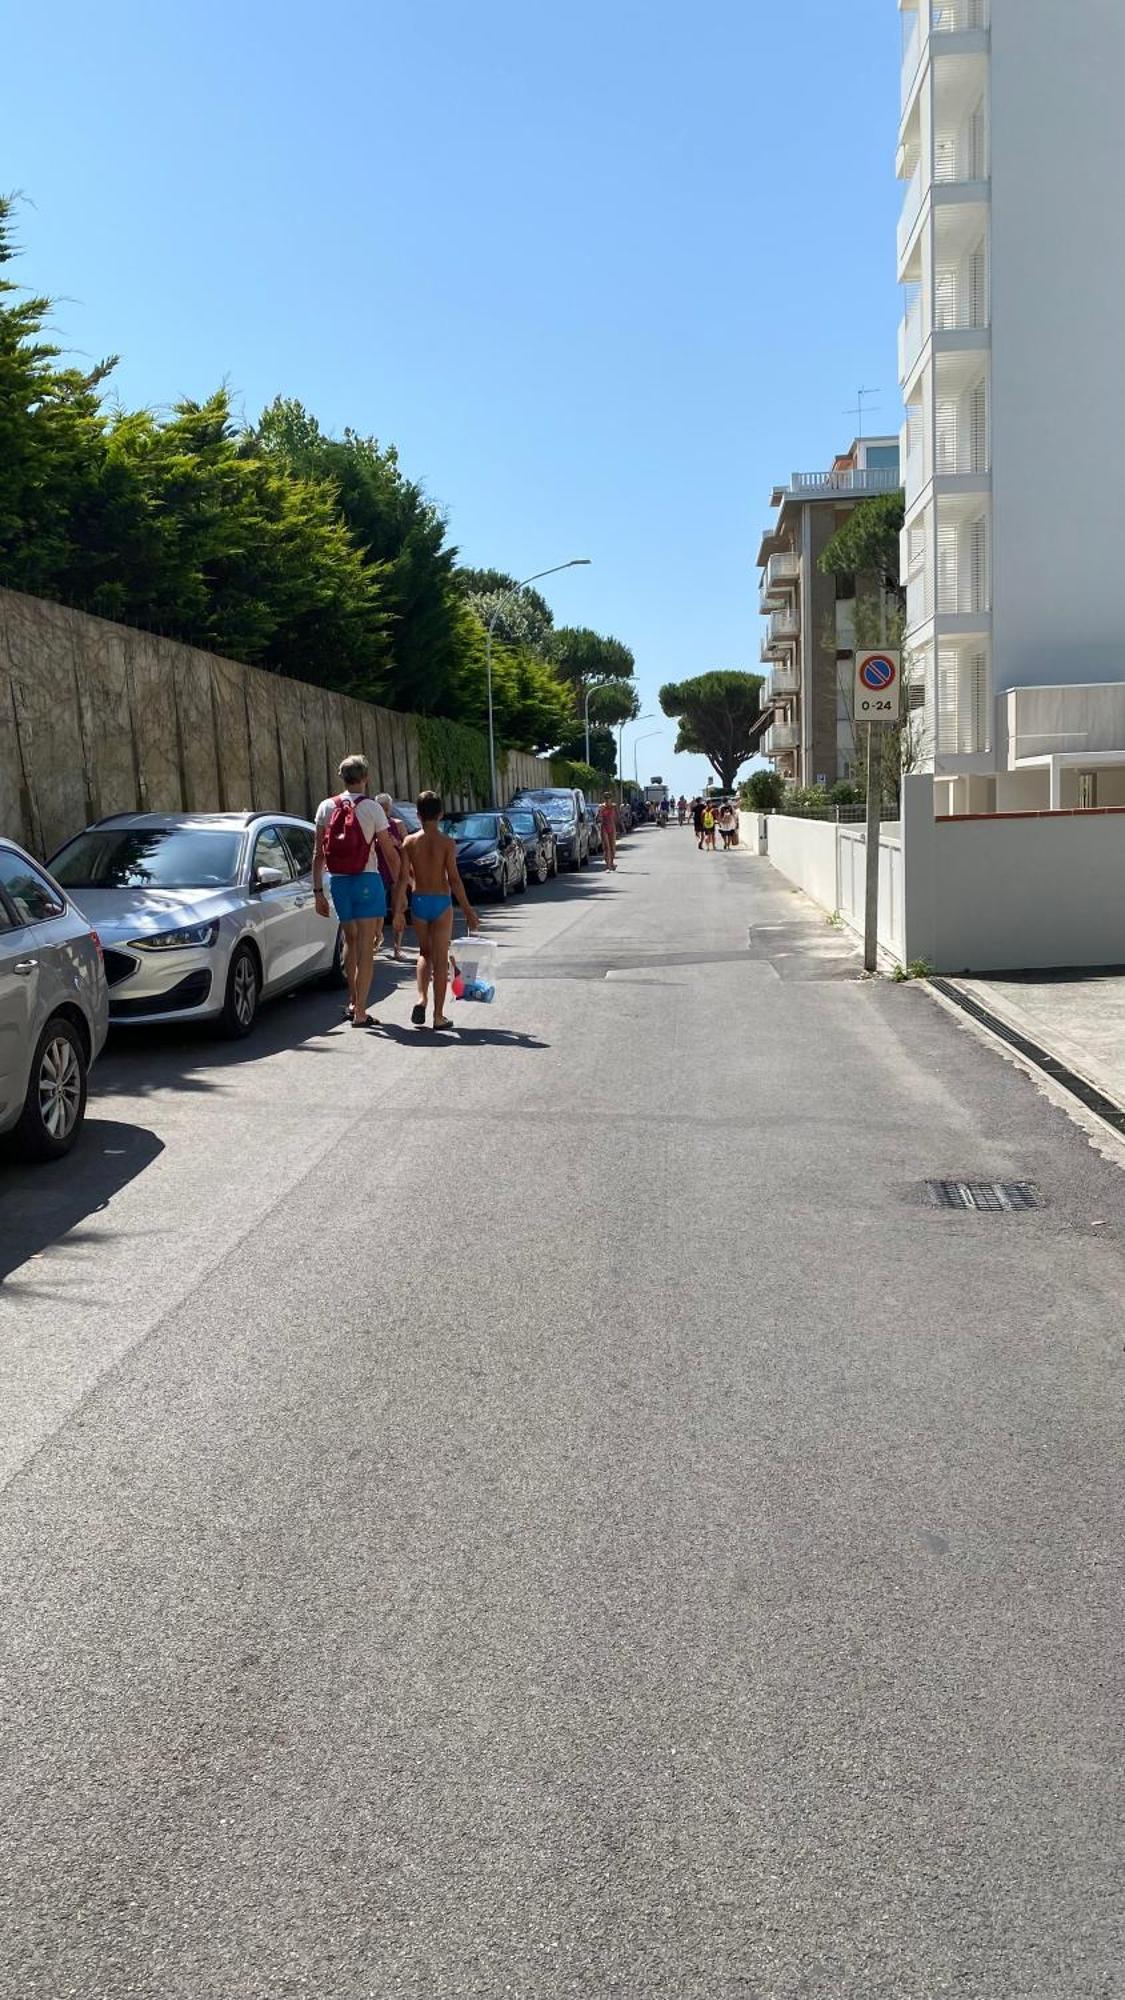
pixel 347 849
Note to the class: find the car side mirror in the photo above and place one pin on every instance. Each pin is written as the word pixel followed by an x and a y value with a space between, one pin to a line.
pixel 269 878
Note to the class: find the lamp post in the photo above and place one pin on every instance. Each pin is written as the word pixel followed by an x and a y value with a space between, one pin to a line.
pixel 576 562
pixel 621 728
pixel 636 748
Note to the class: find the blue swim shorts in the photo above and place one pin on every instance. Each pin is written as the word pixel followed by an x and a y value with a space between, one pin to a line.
pixel 358 899
pixel 429 908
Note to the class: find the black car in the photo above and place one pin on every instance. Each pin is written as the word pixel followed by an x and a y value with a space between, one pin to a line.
pixel 533 829
pixel 566 809
pixel 490 857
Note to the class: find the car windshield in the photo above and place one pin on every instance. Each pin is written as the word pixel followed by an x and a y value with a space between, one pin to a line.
pixel 524 822
pixel 151 857
pixel 560 809
pixel 473 826
pixel 407 814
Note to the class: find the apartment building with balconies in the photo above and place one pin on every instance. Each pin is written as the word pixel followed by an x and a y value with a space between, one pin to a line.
pixel 1011 255
pixel 809 632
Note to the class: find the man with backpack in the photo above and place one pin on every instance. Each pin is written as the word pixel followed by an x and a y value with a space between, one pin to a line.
pixel 352 831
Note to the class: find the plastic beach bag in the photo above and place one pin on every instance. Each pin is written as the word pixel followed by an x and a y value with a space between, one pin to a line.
pixel 476 968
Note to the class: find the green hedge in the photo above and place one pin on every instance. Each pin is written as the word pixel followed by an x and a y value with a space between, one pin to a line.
pixel 453 756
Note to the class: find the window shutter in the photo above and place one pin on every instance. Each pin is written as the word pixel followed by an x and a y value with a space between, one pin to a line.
pixel 979 428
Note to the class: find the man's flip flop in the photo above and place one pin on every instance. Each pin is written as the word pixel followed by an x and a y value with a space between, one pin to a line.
pixel 368 1021
pixel 443 1023
pixel 418 1015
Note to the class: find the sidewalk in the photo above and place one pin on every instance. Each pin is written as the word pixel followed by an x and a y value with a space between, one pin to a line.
pixel 1078 1017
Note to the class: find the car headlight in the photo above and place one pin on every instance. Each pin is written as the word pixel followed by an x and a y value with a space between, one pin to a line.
pixel 491 860
pixel 193 935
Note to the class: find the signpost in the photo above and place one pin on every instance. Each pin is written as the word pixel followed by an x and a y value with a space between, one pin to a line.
pixel 878 703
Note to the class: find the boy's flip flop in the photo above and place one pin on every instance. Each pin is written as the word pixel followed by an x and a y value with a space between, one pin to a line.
pixel 418 1015
pixel 443 1023
pixel 368 1021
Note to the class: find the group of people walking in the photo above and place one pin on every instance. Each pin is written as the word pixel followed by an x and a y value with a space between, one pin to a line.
pixel 712 823
pixel 373 864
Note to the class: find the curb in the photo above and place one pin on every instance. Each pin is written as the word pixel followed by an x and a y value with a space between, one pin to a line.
pixel 1052 1066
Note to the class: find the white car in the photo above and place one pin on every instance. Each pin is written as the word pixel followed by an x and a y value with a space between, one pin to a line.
pixel 201 915
pixel 53 1007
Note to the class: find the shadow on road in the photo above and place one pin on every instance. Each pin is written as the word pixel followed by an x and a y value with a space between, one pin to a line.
pixel 425 1038
pixel 39 1205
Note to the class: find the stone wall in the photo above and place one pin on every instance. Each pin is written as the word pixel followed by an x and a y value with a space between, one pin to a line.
pixel 97 718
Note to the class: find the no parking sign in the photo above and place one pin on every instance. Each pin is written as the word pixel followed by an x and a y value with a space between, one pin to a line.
pixel 878 686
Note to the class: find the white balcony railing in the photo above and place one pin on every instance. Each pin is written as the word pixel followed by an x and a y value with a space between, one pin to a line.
pixel 911 208
pixel 911 337
pixel 871 479
pixel 784 626
pixel 958 17
pixel 911 54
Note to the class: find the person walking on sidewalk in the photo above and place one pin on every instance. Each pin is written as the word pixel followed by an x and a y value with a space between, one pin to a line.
pixel 607 820
pixel 697 821
pixel 351 832
pixel 429 872
pixel 708 826
pixel 398 835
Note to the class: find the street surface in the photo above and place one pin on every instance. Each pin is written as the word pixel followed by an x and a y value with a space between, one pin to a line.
pixel 555 1511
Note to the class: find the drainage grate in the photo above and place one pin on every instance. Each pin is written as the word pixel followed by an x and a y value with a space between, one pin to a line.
pixel 990 1195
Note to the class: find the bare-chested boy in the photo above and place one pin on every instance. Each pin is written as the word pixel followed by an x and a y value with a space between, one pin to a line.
pixel 429 872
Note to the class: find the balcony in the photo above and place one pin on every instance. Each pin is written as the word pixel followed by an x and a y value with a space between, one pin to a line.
pixel 783 737
pixel 958 17
pixel 874 479
pixel 783 570
pixel 784 626
pixel 911 338
pixel 784 684
pixel 911 209
pixel 911 52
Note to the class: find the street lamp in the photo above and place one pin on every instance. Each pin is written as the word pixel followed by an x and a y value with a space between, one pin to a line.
pixel 637 745
pixel 576 562
pixel 622 727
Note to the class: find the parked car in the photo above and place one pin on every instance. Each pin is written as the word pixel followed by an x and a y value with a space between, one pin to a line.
pixel 202 916
pixel 533 829
pixel 54 1007
pixel 594 829
pixel 624 817
pixel 566 810
pixel 491 859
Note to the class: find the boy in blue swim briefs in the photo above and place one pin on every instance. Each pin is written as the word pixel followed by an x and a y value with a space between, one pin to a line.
pixel 429 874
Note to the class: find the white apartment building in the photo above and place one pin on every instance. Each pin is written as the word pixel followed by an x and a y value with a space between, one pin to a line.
pixel 1011 253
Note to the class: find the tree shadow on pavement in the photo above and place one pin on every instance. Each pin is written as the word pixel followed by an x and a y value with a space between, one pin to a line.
pixel 40 1204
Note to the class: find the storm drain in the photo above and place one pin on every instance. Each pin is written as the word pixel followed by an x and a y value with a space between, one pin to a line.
pixel 985 1195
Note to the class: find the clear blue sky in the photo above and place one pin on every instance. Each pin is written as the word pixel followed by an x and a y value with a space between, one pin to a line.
pixel 602 271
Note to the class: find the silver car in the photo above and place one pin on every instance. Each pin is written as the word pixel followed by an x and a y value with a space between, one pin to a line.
pixel 54 1007
pixel 201 915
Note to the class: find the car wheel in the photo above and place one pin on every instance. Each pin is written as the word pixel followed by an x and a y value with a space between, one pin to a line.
pixel 502 890
pixel 55 1104
pixel 541 870
pixel 554 860
pixel 244 991
pixel 521 882
pixel 583 859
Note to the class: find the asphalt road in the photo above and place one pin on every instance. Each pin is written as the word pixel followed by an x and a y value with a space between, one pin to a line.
pixel 555 1511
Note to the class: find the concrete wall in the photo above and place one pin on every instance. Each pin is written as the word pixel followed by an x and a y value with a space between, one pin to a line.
pixel 1019 894
pixel 804 850
pixel 97 718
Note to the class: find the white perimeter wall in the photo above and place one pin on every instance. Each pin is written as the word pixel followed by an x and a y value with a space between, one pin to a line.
pixel 1016 894
pixel 1058 299
pixel 805 851
pixel 972 895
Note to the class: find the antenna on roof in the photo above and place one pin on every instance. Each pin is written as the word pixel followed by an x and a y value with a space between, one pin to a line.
pixel 859 411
